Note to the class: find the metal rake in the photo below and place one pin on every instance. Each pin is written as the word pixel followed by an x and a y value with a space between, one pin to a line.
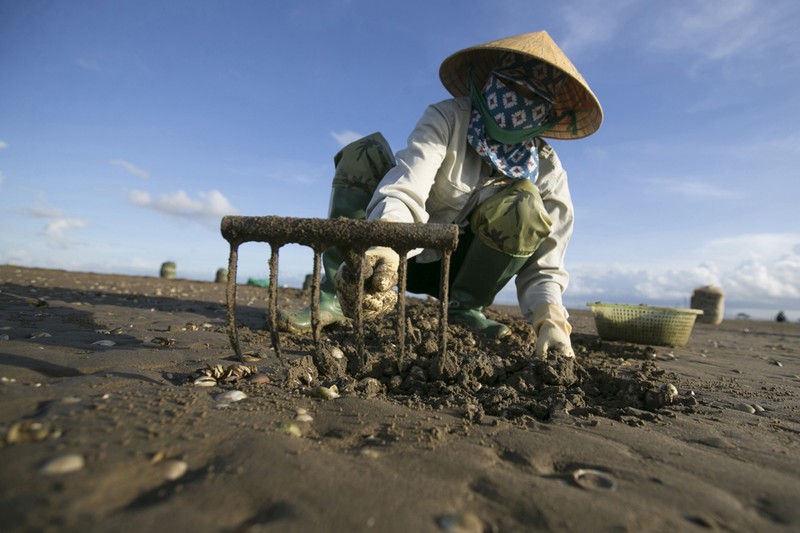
pixel 352 238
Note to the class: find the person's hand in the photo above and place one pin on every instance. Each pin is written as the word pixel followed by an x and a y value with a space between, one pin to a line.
pixel 552 331
pixel 380 265
pixel 384 263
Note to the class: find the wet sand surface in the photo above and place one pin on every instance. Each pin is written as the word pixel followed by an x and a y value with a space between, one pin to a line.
pixel 103 427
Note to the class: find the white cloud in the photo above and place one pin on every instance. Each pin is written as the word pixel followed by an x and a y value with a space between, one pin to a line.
pixel 57 224
pixel 620 284
pixel 3 145
pixel 694 189
pixel 759 274
pixel 55 229
pixel 345 137
pixel 676 285
pixel 753 285
pixel 745 36
pixel 140 198
pixel 788 145
pixel 755 272
pixel 44 212
pixel 130 168
pixel 41 207
pixel 701 24
pixel 292 172
pixel 719 30
pixel 766 248
pixel 207 205
pixel 590 23
pixel 757 282
pixel 87 63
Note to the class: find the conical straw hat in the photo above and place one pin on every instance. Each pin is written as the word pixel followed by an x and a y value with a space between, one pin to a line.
pixel 574 94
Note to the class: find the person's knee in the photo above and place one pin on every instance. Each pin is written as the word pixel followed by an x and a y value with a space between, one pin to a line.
pixel 513 221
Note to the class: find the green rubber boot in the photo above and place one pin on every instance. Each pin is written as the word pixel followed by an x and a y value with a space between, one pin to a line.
pixel 345 202
pixel 482 274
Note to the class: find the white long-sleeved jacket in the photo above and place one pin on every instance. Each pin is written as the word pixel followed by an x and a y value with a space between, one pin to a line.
pixel 437 174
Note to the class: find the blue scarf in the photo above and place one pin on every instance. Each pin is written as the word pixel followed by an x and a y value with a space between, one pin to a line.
pixel 518 100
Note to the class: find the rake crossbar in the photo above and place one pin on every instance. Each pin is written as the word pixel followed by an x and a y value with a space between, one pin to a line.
pixel 344 232
pixel 350 236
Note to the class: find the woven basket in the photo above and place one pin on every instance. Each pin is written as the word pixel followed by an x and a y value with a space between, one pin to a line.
pixel 642 324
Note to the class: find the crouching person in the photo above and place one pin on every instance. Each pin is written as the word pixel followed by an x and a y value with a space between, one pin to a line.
pixel 478 160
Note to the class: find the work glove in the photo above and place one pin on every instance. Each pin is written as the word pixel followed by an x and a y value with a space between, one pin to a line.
pixel 380 266
pixel 552 331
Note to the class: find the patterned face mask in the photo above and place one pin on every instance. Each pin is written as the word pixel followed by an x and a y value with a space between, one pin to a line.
pixel 514 107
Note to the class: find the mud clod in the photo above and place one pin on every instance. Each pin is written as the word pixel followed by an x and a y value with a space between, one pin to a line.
pixel 483 377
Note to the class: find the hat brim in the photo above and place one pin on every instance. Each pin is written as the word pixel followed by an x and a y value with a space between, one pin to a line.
pixel 574 94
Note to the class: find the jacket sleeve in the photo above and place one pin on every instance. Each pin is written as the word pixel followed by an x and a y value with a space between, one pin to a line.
pixel 402 193
pixel 543 278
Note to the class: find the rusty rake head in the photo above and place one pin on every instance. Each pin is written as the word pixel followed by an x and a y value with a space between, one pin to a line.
pixel 353 237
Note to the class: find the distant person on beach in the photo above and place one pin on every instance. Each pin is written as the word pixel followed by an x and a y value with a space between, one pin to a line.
pixel 478 160
pixel 781 317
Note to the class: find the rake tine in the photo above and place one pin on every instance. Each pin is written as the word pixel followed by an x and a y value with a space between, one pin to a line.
pixel 443 302
pixel 273 301
pixel 402 278
pixel 362 351
pixel 230 295
pixel 316 326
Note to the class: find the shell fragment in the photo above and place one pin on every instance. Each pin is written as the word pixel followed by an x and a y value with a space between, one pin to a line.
pixel 326 393
pixel 231 396
pixel 174 469
pixel 590 479
pixel 64 464
pixel 205 381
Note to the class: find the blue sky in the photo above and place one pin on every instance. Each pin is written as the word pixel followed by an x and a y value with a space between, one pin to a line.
pixel 129 128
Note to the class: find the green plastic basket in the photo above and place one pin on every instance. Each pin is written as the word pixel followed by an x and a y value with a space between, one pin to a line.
pixel 643 324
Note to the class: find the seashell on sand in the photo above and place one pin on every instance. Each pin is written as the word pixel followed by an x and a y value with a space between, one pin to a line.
pixel 104 343
pixel 290 428
pixel 159 341
pixel 326 393
pixel 463 522
pixel 29 431
pixel 174 469
pixel 64 464
pixel 231 396
pixel 260 379
pixel 590 479
pixel 205 381
pixel 369 452
pixel 669 391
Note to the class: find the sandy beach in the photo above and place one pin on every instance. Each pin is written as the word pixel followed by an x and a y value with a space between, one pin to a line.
pixel 107 422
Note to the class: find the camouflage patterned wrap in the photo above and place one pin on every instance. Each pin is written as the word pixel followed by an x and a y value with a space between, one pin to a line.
pixel 363 163
pixel 514 221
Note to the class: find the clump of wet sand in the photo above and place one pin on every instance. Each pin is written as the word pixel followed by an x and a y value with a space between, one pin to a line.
pixel 480 376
